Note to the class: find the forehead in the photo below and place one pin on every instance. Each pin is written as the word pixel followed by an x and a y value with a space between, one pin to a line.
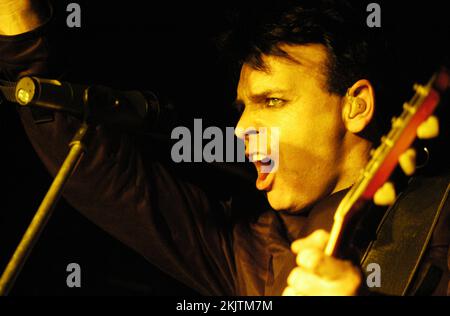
pixel 305 63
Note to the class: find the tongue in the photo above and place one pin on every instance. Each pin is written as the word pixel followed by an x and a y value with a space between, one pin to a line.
pixel 260 183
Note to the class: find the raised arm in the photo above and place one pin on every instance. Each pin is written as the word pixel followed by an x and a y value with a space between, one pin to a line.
pixel 171 222
pixel 21 16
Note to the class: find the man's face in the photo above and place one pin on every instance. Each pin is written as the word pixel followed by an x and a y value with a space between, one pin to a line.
pixel 293 97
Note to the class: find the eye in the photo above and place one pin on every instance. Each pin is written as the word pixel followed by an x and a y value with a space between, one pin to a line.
pixel 274 102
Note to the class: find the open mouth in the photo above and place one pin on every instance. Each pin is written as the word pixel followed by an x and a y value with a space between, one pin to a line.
pixel 264 165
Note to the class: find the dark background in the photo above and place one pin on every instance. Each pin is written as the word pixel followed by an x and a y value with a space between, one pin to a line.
pixel 167 47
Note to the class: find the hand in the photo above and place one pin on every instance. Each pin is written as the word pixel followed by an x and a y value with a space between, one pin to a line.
pixel 318 274
pixel 21 16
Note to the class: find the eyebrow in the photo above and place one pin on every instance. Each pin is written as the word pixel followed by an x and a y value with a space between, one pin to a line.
pixel 258 97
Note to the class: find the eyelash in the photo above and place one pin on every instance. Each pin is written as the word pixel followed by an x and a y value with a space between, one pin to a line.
pixel 241 107
pixel 278 100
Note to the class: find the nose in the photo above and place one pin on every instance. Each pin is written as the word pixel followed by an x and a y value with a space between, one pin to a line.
pixel 246 131
pixel 244 127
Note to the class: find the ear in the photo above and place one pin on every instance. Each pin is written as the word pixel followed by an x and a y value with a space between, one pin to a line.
pixel 359 106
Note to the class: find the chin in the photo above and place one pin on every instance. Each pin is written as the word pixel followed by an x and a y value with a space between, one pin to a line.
pixel 278 201
pixel 281 202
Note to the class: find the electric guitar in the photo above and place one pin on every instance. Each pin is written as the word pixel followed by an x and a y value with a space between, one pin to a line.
pixel 385 158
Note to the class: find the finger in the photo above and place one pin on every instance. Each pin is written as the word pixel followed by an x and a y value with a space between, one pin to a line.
pixel 318 240
pixel 331 268
pixel 303 281
pixel 407 161
pixel 309 258
pixel 429 128
pixel 385 195
pixel 290 291
pixel 321 265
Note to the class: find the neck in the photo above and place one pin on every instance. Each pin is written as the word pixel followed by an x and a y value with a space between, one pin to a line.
pixel 356 152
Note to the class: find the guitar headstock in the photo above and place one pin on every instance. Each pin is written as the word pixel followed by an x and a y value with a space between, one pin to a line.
pixel 415 120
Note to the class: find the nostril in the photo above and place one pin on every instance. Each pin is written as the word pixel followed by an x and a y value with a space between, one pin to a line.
pixel 244 133
pixel 251 132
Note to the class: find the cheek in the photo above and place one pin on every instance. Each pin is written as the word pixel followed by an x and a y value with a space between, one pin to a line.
pixel 308 138
pixel 317 128
pixel 310 143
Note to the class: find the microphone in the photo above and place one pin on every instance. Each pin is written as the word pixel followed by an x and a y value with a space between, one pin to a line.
pixel 96 104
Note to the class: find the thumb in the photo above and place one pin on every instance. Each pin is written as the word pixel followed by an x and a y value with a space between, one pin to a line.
pixel 317 240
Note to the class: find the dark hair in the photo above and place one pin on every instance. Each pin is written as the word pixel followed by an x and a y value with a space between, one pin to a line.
pixel 355 51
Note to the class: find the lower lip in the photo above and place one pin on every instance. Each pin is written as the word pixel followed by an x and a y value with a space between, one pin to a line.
pixel 264 181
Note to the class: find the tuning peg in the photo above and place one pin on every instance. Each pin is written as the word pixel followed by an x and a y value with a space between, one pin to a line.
pixel 385 195
pixel 387 141
pixel 429 128
pixel 420 89
pixel 407 161
pixel 395 121
pixel 409 107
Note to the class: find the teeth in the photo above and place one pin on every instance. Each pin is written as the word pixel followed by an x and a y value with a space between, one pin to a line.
pixel 259 157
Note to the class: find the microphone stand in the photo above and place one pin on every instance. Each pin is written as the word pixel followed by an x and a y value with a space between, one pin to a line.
pixel 40 219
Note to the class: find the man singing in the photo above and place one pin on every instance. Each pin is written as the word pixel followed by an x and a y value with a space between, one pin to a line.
pixel 307 69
